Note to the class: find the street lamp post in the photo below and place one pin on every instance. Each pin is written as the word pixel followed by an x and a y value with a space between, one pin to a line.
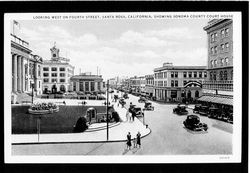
pixel 32 86
pixel 107 119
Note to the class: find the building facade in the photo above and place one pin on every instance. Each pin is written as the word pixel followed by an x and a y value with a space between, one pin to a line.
pixel 88 83
pixel 26 68
pixel 218 87
pixel 149 86
pixel 178 83
pixel 137 85
pixel 56 73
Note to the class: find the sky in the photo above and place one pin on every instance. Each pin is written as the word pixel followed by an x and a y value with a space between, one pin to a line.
pixel 119 47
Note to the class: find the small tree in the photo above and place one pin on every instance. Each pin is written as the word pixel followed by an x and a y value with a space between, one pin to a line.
pixel 81 125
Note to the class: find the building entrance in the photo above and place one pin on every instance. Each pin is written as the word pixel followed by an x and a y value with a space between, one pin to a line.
pixel 54 89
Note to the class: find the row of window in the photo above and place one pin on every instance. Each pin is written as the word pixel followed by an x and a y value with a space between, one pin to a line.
pixel 223 75
pixel 46 80
pixel 185 75
pixel 53 74
pixel 223 47
pixel 53 69
pixel 222 61
pixel 223 33
pixel 174 83
pixel 92 86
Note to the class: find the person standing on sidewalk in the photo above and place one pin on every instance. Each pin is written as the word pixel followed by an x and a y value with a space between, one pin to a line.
pixel 128 141
pixel 138 139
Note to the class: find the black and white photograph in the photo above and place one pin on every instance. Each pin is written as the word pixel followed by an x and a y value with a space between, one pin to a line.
pixel 148 87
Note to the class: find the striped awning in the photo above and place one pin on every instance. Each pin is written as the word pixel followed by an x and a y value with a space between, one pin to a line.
pixel 217 99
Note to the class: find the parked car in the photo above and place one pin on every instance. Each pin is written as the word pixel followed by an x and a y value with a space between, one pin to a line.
pixel 204 110
pixel 193 123
pixel 215 113
pixel 230 118
pixel 148 106
pixel 197 108
pixel 142 99
pixel 138 111
pixel 125 96
pixel 180 110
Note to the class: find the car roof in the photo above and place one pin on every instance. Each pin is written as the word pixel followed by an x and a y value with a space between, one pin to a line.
pixel 193 116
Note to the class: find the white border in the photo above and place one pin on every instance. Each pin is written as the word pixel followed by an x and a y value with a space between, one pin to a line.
pixel 237 129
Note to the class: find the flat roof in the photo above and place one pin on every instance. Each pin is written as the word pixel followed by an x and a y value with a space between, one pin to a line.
pixel 86 77
pixel 181 68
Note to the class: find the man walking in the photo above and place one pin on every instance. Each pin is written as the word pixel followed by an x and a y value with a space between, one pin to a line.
pixel 138 139
pixel 128 141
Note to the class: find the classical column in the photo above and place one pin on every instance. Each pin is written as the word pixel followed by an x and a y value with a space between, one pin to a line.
pixel 19 77
pixel 15 73
pixel 23 75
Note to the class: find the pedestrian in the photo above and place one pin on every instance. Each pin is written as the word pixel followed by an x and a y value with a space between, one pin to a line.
pixel 134 142
pixel 133 116
pixel 138 139
pixel 128 141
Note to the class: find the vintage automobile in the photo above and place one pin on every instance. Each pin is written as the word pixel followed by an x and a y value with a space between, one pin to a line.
pixel 125 96
pixel 193 123
pixel 138 111
pixel 203 110
pixel 230 118
pixel 197 108
pixel 122 101
pixel 142 99
pixel 180 110
pixel 215 113
pixel 148 106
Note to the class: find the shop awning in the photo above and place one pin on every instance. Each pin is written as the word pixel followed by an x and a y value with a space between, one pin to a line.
pixel 217 99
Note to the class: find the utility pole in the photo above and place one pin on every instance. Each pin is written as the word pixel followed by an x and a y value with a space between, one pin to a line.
pixel 107 110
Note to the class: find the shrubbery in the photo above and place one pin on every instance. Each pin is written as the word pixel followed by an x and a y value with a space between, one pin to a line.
pixel 44 106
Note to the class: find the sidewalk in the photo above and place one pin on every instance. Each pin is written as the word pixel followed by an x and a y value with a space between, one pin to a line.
pixel 117 133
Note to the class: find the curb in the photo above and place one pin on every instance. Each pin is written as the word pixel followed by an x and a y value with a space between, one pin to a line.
pixel 75 142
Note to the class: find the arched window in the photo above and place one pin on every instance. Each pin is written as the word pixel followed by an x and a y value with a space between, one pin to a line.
pixel 211 75
pixel 225 75
pixel 214 75
pixel 221 75
pixel 212 63
pixel 196 93
pixel 189 94
pixel 222 61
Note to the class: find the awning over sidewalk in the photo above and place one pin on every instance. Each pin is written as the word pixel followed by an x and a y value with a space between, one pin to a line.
pixel 217 99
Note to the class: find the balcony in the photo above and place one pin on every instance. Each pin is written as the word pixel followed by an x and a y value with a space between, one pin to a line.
pixel 218 85
pixel 19 41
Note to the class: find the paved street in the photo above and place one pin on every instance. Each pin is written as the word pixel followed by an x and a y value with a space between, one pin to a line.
pixel 168 137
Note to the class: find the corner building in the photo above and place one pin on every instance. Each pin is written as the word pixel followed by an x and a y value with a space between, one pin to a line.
pixel 178 83
pixel 218 87
pixel 56 73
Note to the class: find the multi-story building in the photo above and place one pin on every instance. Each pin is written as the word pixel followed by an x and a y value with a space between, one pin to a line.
pixel 137 85
pixel 218 87
pixel 87 83
pixel 178 83
pixel 26 68
pixel 149 86
pixel 56 73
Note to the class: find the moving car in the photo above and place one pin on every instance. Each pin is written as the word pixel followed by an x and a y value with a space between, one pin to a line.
pixel 180 110
pixel 148 106
pixel 122 101
pixel 138 111
pixel 193 123
pixel 125 96
pixel 142 99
